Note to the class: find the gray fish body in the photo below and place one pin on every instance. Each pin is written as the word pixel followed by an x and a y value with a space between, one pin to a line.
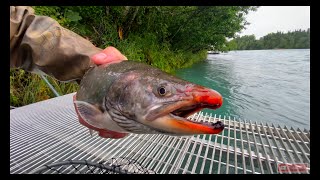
pixel 132 97
pixel 97 81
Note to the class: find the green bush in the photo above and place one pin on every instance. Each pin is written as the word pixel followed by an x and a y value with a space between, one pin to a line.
pixel 164 37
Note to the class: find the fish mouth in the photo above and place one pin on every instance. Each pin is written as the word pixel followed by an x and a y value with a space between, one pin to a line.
pixel 173 118
pixel 189 110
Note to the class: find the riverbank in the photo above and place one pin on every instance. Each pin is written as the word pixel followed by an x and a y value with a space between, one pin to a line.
pixel 27 88
pixel 168 38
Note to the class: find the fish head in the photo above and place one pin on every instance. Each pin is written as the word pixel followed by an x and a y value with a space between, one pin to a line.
pixel 156 102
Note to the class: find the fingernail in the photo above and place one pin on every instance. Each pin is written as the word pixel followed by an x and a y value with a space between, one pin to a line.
pixel 100 56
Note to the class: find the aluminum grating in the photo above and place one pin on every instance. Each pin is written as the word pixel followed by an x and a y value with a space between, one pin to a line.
pixel 48 132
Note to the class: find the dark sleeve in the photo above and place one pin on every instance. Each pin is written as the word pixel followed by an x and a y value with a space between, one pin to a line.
pixel 39 44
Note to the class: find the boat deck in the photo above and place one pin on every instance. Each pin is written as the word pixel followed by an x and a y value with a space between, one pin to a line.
pixel 48 132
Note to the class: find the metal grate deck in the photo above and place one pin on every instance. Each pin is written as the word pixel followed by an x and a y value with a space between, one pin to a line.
pixel 47 132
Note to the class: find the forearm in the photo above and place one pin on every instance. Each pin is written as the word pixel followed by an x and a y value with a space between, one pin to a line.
pixel 40 43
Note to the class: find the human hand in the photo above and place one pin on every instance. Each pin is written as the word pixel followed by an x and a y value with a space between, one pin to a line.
pixel 107 56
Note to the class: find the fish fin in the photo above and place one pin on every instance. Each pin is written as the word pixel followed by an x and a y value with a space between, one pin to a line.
pixel 89 113
pixel 91 132
pixel 112 134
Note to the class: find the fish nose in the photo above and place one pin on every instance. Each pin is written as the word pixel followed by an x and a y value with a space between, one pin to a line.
pixel 207 97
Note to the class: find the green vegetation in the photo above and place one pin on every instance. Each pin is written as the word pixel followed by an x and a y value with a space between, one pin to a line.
pixel 26 88
pixel 165 37
pixel 299 39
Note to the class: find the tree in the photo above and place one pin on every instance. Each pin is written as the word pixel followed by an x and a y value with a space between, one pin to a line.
pixel 299 39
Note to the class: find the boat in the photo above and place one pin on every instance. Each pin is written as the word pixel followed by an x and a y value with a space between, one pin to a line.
pixel 213 52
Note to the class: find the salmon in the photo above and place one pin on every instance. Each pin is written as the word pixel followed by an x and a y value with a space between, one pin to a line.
pixel 131 97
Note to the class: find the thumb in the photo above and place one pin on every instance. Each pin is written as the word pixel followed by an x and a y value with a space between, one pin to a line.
pixel 110 54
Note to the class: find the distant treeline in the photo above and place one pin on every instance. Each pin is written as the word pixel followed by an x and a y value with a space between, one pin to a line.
pixel 299 39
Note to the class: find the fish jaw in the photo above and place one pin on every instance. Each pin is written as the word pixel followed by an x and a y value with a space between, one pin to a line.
pixel 173 118
pixel 181 126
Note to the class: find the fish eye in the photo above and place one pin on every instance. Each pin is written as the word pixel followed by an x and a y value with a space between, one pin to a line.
pixel 162 91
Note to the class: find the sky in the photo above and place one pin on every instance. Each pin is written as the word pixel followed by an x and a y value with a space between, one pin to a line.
pixel 269 19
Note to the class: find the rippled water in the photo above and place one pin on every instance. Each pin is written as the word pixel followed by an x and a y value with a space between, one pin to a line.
pixel 268 86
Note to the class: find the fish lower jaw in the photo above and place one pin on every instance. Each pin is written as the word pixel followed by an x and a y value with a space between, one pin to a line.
pixel 172 124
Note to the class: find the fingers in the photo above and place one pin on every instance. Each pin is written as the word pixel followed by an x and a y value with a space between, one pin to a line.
pixel 108 55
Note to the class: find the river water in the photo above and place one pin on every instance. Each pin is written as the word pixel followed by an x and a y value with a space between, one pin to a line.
pixel 268 86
